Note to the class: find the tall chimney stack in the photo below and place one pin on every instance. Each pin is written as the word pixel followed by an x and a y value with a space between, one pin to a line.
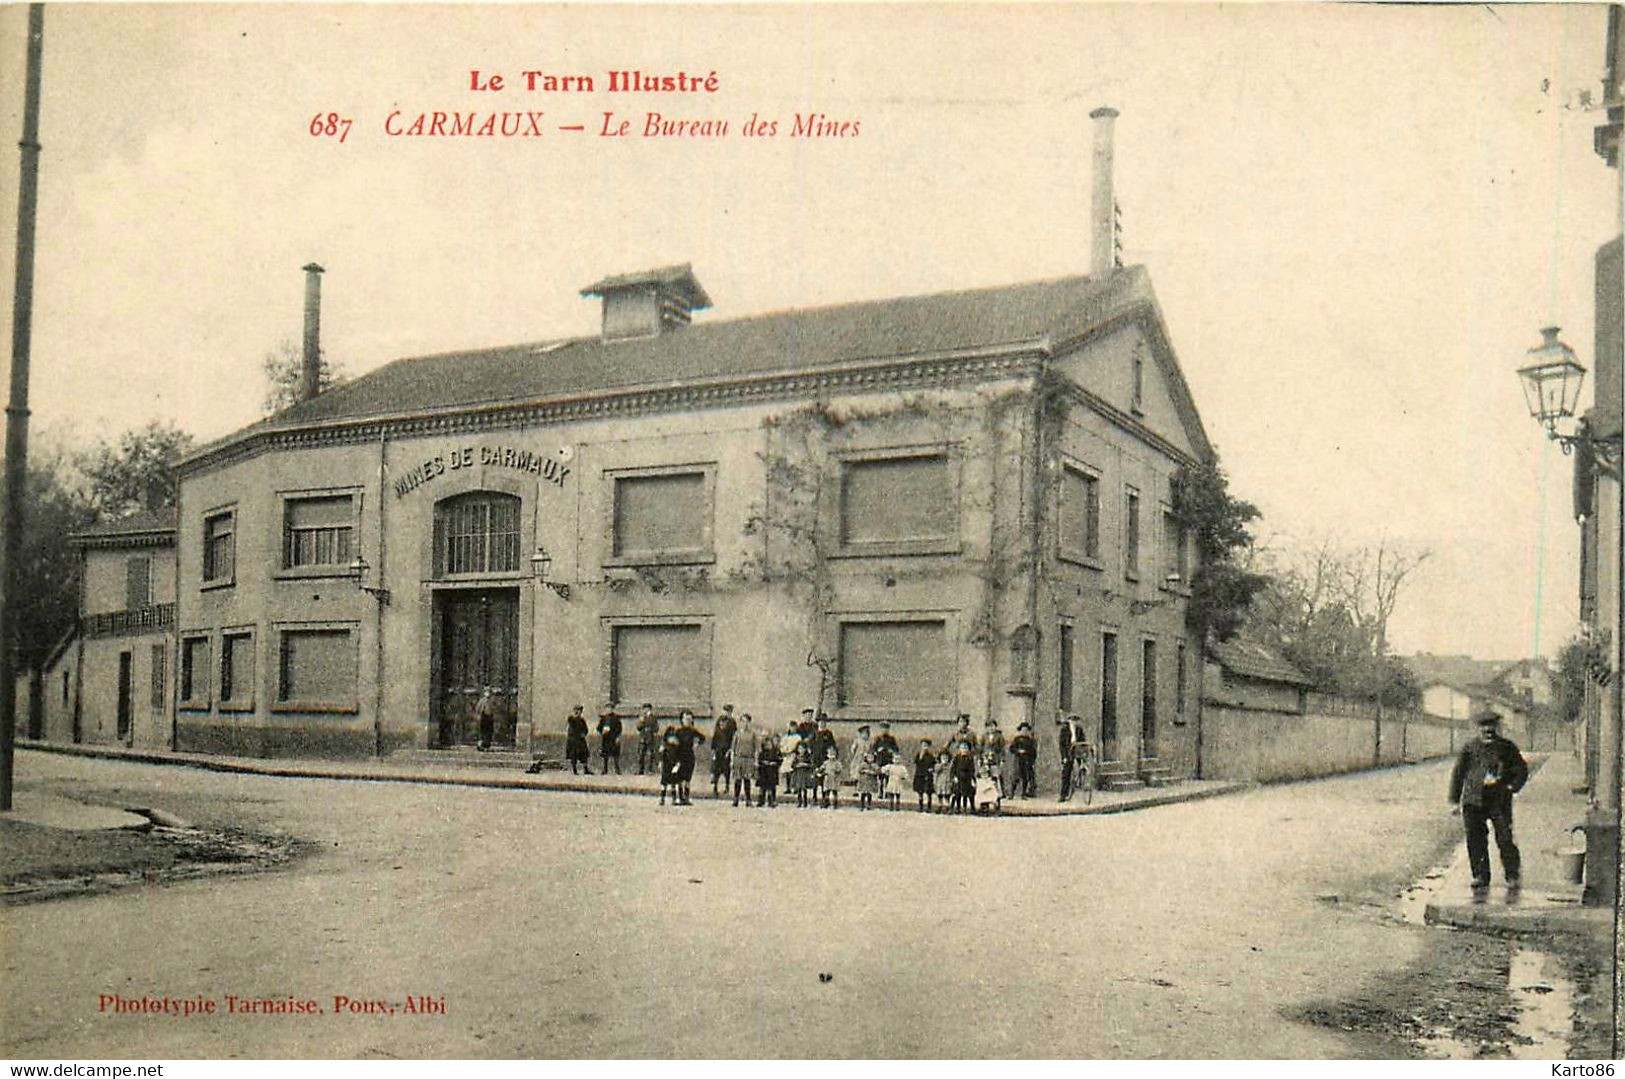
pixel 1103 244
pixel 310 366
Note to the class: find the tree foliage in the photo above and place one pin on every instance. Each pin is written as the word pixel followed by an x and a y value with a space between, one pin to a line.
pixel 1222 587
pixel 1582 661
pixel 283 367
pixel 48 596
pixel 1326 610
pixel 135 472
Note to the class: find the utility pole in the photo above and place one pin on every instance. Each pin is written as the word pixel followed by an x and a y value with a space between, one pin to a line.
pixel 16 480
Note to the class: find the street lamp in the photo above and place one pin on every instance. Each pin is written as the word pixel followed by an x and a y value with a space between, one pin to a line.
pixel 540 563
pixel 359 568
pixel 1551 388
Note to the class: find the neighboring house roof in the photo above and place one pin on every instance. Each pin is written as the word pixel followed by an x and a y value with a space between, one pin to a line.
pixel 1457 671
pixel 1039 316
pixel 140 530
pixel 1251 659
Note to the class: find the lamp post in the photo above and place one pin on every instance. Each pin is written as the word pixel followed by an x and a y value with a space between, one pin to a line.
pixel 1551 385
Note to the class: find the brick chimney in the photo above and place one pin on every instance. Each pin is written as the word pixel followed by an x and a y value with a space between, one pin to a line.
pixel 310 363
pixel 1103 243
pixel 649 303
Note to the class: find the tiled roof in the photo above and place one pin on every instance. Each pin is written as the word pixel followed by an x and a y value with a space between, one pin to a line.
pixel 1254 660
pixel 786 341
pixel 150 526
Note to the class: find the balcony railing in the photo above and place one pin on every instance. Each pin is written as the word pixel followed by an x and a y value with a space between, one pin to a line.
pixel 120 623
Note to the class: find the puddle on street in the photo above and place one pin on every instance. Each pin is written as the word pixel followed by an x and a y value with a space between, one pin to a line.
pixel 1542 1024
pixel 1413 901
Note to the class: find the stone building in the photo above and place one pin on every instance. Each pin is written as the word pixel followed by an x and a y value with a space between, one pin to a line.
pixel 106 682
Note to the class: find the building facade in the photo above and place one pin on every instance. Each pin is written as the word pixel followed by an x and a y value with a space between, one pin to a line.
pixel 898 510
pixel 107 681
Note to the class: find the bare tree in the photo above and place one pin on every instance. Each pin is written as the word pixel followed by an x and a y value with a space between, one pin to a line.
pixel 283 366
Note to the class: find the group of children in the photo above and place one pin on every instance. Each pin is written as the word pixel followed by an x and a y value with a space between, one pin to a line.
pixel 963 777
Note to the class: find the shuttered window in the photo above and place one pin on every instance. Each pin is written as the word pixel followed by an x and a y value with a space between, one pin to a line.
pixel 219 548
pixel 665 516
pixel 477 533
pixel 237 670
pixel 318 668
pixel 668 665
pixel 137 582
pixel 1131 533
pixel 895 665
pixel 317 531
pixel 194 675
pixel 898 501
pixel 1080 515
pixel 160 665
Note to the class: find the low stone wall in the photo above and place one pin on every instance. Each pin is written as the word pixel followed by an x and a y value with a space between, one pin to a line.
pixel 1261 746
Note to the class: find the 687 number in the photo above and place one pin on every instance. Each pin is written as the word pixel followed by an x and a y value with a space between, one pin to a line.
pixel 330 125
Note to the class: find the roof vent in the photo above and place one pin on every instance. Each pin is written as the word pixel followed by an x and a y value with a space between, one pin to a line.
pixel 648 303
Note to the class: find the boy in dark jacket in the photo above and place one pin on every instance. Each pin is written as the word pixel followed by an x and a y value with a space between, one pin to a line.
pixel 768 759
pixel 1488 773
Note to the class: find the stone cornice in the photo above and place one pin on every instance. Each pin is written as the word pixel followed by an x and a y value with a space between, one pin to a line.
pixel 875 376
pixel 1116 416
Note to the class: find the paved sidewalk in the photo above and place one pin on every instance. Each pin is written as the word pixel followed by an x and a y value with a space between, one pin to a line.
pixel 54 811
pixel 1543 813
pixel 507 771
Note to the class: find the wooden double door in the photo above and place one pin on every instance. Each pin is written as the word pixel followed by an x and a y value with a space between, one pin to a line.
pixel 478 643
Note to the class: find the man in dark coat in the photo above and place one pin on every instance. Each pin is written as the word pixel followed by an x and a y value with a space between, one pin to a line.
pixel 1023 749
pixel 609 741
pixel 688 736
pixel 1489 771
pixel 824 741
pixel 722 743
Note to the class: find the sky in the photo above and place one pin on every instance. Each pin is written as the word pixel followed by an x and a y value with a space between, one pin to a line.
pixel 1356 219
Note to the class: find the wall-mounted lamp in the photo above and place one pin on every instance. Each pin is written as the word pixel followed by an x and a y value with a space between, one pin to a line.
pixel 1551 388
pixel 359 568
pixel 540 563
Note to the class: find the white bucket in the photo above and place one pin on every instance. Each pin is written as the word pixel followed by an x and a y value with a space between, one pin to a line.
pixel 1573 865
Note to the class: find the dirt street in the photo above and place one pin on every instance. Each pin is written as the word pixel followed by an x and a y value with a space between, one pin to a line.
pixel 561 925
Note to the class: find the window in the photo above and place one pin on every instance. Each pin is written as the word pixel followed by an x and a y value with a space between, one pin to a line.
pixel 237 671
pixel 895 665
pixel 1066 668
pixel 1179 685
pixel 1131 534
pixel 65 684
pixel 1139 380
pixel 160 667
pixel 476 533
pixel 316 532
pixel 317 669
pixel 194 674
pixel 1108 696
pixel 668 664
pixel 137 582
pixel 1175 571
pixel 660 515
pixel 219 548
pixel 899 503
pixel 1148 699
pixel 1080 515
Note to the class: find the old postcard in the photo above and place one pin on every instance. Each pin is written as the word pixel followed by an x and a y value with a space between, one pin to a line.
pixel 832 531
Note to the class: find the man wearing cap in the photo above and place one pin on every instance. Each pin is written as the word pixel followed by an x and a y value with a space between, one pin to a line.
pixel 1024 750
pixel 1489 771
pixel 885 747
pixel 722 741
pixel 1063 742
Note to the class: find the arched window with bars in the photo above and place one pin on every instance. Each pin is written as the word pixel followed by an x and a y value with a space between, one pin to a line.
pixel 476 533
